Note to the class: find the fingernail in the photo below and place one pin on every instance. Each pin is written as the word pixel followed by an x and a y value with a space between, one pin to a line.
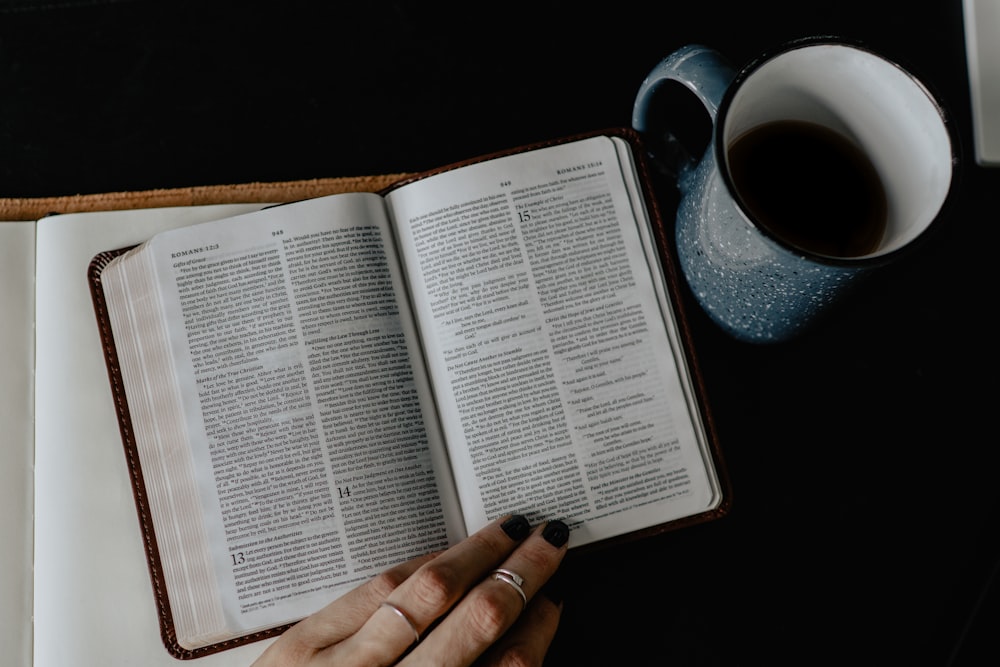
pixel 556 533
pixel 516 527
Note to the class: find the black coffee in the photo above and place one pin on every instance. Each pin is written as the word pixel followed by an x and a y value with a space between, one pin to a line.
pixel 810 186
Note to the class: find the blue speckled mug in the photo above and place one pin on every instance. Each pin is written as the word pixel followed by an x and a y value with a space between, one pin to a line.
pixel 749 260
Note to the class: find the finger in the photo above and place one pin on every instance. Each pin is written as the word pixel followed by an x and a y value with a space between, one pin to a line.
pixel 528 640
pixel 347 614
pixel 492 606
pixel 429 593
pixel 339 619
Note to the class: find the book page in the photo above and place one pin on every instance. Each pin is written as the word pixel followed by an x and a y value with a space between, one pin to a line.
pixel 315 453
pixel 94 603
pixel 17 412
pixel 550 346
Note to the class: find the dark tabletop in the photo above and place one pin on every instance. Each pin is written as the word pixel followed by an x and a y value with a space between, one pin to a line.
pixel 863 458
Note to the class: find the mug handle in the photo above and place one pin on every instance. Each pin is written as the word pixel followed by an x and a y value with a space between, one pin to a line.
pixel 701 70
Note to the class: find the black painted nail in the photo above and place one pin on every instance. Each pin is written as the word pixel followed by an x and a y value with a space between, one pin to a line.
pixel 556 533
pixel 516 527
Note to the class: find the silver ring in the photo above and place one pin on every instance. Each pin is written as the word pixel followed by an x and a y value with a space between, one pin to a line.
pixel 514 580
pixel 518 579
pixel 399 612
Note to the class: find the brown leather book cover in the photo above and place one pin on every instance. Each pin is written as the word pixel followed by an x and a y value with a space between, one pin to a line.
pixel 295 191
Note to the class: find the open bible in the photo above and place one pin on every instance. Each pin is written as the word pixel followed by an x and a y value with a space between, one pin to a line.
pixel 312 392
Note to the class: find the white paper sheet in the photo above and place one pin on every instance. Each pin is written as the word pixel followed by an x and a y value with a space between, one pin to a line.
pixel 93 598
pixel 982 46
pixel 17 304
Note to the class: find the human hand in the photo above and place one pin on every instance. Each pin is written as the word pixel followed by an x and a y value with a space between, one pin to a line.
pixel 460 607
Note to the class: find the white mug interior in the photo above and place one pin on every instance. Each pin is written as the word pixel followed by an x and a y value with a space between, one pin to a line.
pixel 888 113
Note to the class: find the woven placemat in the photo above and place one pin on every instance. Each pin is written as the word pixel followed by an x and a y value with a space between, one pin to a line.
pixel 33 208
